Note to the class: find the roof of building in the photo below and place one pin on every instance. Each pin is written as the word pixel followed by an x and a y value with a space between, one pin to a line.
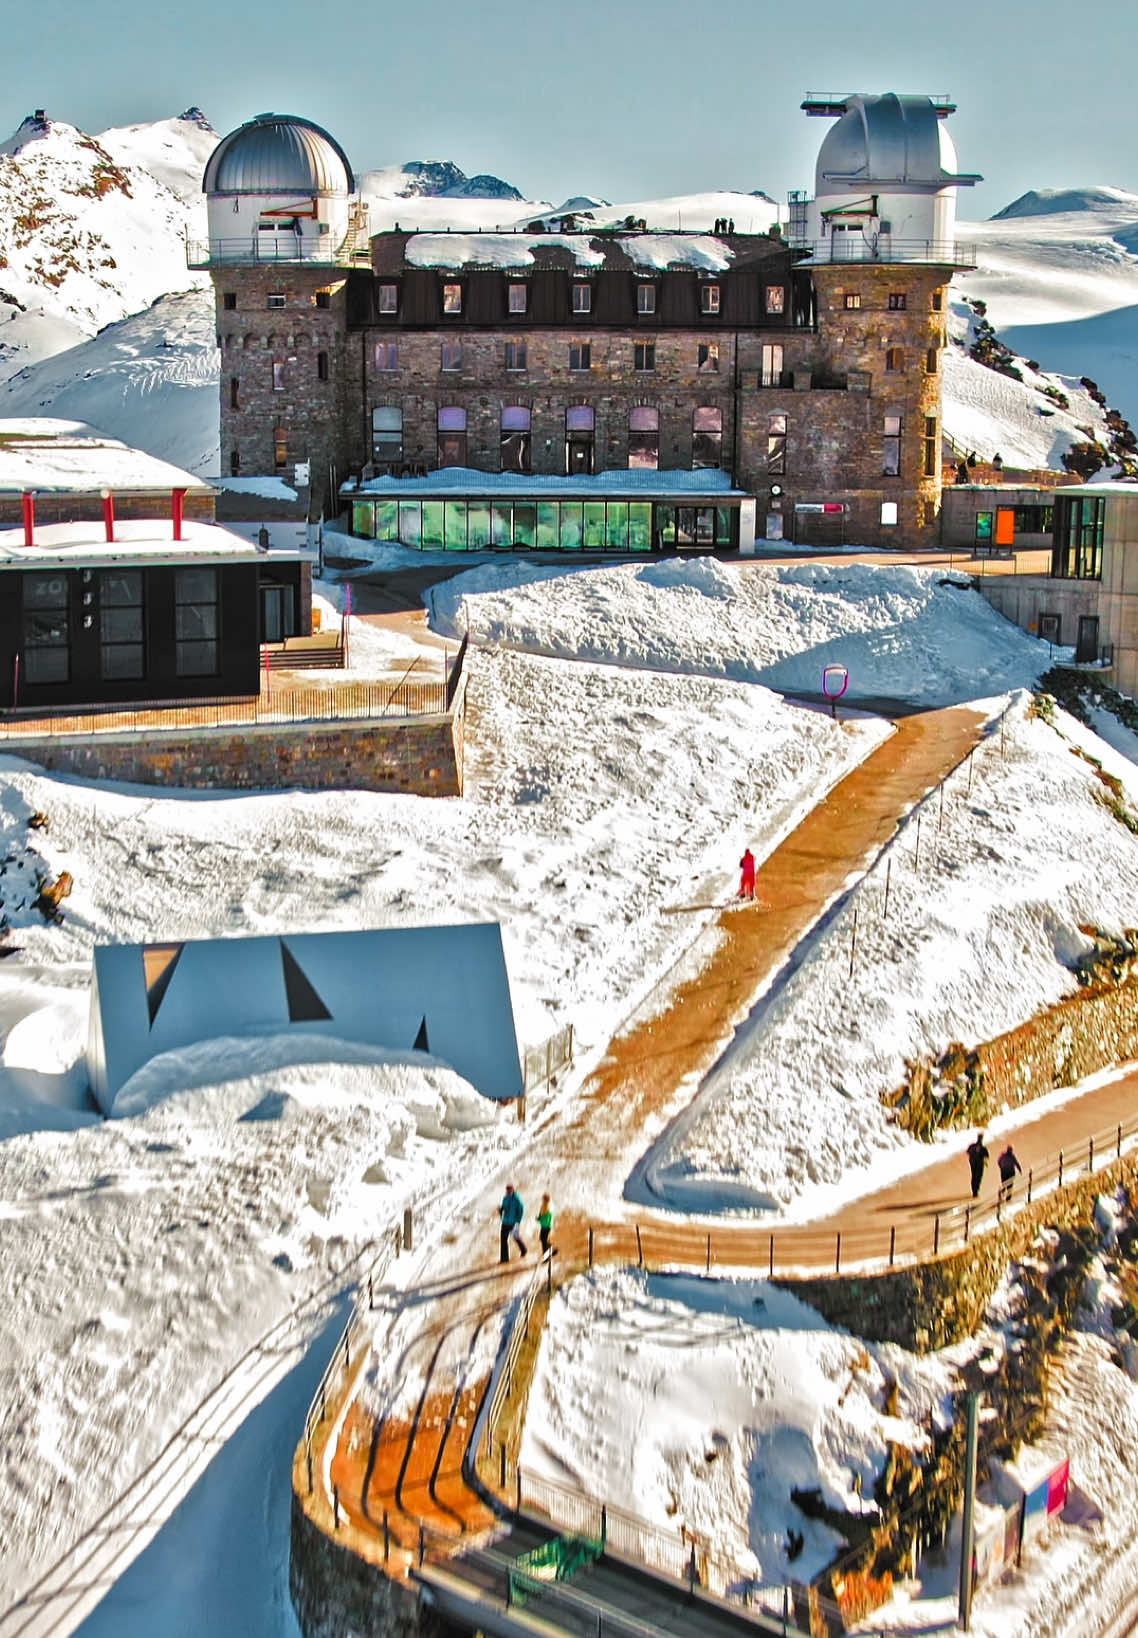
pixel 895 143
pixel 138 541
pixel 1123 486
pixel 458 482
pixel 584 252
pixel 278 153
pixel 70 458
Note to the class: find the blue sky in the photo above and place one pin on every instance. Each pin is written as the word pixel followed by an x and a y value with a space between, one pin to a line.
pixel 627 98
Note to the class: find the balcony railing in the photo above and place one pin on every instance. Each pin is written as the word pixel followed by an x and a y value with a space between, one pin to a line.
pixel 322 252
pixel 850 247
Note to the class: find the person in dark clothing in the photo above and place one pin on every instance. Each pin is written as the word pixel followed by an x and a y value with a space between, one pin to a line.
pixel 511 1212
pixel 977 1159
pixel 1009 1165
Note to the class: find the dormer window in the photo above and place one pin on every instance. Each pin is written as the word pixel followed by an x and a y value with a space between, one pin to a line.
pixel 389 298
pixel 774 298
pixel 645 298
pixel 582 297
pixel 709 298
pixel 452 298
pixel 517 295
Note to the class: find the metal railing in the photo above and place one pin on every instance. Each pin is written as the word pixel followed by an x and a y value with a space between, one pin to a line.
pixel 325 252
pixel 885 248
pixel 542 1063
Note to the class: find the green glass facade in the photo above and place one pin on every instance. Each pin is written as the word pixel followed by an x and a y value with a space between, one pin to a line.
pixel 617 526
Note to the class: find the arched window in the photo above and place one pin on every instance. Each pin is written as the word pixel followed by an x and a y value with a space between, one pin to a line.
pixel 643 436
pixel 707 436
pixel 515 438
pixel 452 435
pixel 580 438
pixel 894 358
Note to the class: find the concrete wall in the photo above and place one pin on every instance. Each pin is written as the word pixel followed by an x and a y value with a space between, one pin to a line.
pixel 1118 593
pixel 420 757
pixel 962 503
pixel 1023 598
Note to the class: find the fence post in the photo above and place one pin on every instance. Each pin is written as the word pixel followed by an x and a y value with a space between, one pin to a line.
pixel 709 1254
pixel 892 1242
pixel 838 1253
pixel 1060 1168
pixel 347 1352
pixel 936 1234
pixel 386 1537
pixel 770 1257
pixel 1119 1150
pixel 408 1230
pixel 1090 1154
pixel 967 1222
pixel 639 1249
pixel 422 1545
pixel 335 1507
pixel 502 1464
pixel 311 1484
pixel 323 1403
pixel 1029 1176
pixel 590 1246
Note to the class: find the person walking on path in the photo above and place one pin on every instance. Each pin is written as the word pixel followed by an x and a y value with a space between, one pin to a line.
pixel 1009 1165
pixel 977 1159
pixel 545 1223
pixel 747 875
pixel 511 1212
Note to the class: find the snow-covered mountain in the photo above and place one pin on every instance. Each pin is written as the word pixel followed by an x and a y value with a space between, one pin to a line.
pixel 433 178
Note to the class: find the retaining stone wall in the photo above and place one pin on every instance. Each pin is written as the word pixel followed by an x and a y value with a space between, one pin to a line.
pixel 421 757
pixel 337 1593
pixel 936 1304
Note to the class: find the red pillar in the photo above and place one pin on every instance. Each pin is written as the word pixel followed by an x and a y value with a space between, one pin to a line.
pixel 109 515
pixel 177 497
pixel 29 518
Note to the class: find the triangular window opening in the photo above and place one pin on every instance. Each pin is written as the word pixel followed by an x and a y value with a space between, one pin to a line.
pixel 304 1005
pixel 421 1043
pixel 158 964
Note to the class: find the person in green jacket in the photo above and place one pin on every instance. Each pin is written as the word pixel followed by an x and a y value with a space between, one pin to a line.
pixel 545 1223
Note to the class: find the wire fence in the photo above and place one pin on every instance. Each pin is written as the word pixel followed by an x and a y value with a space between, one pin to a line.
pixel 543 1062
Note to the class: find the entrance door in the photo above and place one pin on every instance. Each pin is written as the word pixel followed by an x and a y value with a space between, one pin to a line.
pixel 278 617
pixel 1086 649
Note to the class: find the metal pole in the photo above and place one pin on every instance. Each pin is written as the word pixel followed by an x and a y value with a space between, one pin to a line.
pixel 770 1257
pixel 1060 1168
pixel 639 1249
pixel 853 941
pixel 971 754
pixel 936 1234
pixel 408 1230
pixel 709 1254
pixel 1090 1154
pixel 590 1247
pixel 888 874
pixel 892 1242
pixel 917 853
pixel 838 1253
pixel 966 1528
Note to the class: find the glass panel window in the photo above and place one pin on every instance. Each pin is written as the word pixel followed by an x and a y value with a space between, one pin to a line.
pixel 411 523
pixel 707 361
pixel 278 376
pixel 515 439
pixel 515 355
pixel 501 525
pixel 121 632
pixel 432 525
pixel 930 446
pixel 896 301
pixel 387 433
pixel 582 297
pixel 891 447
pixel 774 298
pixel 478 526
pixel 572 526
pixel 452 298
pixel 195 622
pixel 580 418
pixel 931 358
pixel 455 526
pixel 640 526
pixel 644 355
pixel 645 298
pixel 894 359
pixel 547 526
pixel 643 437
pixel 387 355
pixel 984 526
pixel 776 445
pixel 938 300
pixel 387 520
pixel 707 436
pixel 616 527
pixel 450 355
pixel 389 298
pixel 852 301
pixel 280 446
pixel 1079 522
pixel 594 539
pixel 888 514
pixel 275 298
pixel 452 435
pixel 770 370
pixel 525 524
pixel 580 356
pixel 517 298
pixel 709 298
pixel 46 631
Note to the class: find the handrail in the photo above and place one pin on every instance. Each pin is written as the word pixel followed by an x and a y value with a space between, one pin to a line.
pixel 885 248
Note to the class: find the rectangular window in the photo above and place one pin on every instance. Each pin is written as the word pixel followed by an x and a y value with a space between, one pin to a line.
pixel 889 514
pixel 1050 629
pixel 896 301
pixel 452 298
pixel 776 446
pixel 387 355
pixel 770 370
pixel 645 298
pixel 938 300
pixel 322 366
pixel 582 298
pixel 644 355
pixel 229 300
pixel 983 528
pixel 1034 520
pixel 195 622
pixel 278 376
pixel 387 433
pixel 450 355
pixel 891 447
pixel 517 298
pixel 708 358
pixel 1079 522
pixel 323 298
pixel 234 389
pixel 580 355
pixel 930 446
pixel 894 359
pixel 280 446
pixel 275 298
pixel 852 301
pixel 515 355
pixel 452 435
pixel 121 624
pixel 643 437
pixel 707 436
pixel 931 361
pixel 580 437
pixel 389 298
pixel 514 443
pixel 709 298
pixel 46 629
pixel 774 298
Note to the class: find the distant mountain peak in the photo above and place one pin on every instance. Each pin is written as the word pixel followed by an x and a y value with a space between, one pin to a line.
pixel 194 116
pixel 435 179
pixel 1065 201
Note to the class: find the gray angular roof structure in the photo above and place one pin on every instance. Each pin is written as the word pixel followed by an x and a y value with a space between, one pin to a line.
pixel 892 142
pixel 278 153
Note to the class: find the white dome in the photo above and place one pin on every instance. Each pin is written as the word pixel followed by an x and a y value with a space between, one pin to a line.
pixel 888 144
pixel 278 153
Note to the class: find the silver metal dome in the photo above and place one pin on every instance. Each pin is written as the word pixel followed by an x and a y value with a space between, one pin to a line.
pixel 278 153
pixel 888 142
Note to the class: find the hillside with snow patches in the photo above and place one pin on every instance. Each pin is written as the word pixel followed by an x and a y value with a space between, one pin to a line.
pixel 93 230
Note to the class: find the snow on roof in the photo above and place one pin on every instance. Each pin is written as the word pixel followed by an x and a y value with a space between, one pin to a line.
pixel 464 480
pixel 1123 486
pixel 701 251
pixel 71 458
pixel 137 540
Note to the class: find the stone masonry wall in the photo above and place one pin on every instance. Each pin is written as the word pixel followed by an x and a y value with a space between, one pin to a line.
pixel 337 1593
pixel 938 1303
pixel 421 757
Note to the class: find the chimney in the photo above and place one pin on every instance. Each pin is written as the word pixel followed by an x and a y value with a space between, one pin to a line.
pixel 40 117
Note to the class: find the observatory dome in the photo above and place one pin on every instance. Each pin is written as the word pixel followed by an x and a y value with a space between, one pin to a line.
pixel 278 153
pixel 889 143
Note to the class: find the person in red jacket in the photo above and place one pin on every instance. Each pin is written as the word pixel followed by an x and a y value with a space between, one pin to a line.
pixel 747 878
